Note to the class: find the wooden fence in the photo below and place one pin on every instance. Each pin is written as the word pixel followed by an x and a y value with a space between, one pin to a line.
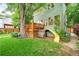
pixel 9 30
pixel 31 29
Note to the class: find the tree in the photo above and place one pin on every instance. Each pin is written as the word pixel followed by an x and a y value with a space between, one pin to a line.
pixel 13 7
pixel 15 18
pixel 22 8
pixel 19 10
pixel 24 13
pixel 72 14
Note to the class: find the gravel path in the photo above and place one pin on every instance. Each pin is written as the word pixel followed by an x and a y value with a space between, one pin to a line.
pixel 73 40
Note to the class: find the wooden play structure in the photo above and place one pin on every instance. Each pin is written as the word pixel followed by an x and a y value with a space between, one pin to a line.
pixel 52 19
pixel 33 29
pixel 36 30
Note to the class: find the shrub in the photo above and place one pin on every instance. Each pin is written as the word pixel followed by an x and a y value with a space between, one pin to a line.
pixel 64 36
pixel 15 34
pixel 76 29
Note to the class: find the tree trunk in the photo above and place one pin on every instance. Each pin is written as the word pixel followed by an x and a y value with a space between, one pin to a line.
pixel 22 19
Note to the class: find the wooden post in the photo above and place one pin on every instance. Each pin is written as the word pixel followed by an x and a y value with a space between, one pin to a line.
pixel 32 29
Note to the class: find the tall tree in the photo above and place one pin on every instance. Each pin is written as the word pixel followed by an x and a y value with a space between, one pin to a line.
pixel 72 14
pixel 25 13
pixel 22 8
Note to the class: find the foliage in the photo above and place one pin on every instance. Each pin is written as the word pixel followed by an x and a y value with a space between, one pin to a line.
pixel 64 36
pixel 72 14
pixel 15 18
pixel 15 34
pixel 10 46
pixel 24 14
pixel 30 8
pixel 14 8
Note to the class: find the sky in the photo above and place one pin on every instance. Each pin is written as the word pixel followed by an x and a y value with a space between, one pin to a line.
pixel 4 21
pixel 2 7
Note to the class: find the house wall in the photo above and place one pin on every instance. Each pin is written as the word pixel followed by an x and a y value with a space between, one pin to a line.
pixel 59 9
pixel 1 24
pixel 5 21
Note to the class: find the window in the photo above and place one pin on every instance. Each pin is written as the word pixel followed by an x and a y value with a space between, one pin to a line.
pixel 50 5
pixel 50 20
pixel 57 20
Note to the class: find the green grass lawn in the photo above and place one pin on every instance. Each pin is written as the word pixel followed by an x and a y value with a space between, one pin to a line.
pixel 10 46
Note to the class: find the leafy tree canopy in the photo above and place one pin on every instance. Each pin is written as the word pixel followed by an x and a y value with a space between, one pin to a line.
pixel 30 8
pixel 72 14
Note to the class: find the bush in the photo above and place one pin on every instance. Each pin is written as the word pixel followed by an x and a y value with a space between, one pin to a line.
pixel 64 36
pixel 76 29
pixel 15 34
